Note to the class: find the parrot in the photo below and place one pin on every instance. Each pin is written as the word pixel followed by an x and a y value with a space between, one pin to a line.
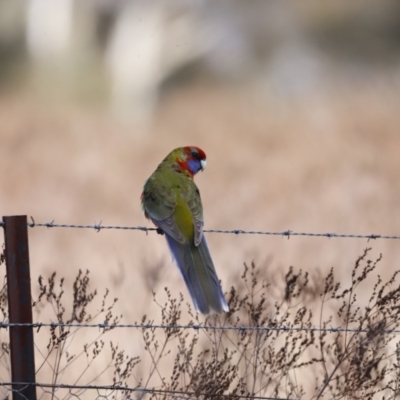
pixel 171 200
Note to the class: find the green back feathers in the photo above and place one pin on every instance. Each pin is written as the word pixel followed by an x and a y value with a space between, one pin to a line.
pixel 172 201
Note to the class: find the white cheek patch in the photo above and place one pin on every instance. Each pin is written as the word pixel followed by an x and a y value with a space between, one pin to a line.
pixel 203 164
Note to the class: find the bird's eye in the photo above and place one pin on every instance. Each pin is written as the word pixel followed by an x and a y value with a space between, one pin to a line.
pixel 195 153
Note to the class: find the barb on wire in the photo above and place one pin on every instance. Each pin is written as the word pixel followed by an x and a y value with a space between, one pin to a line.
pixel 287 233
pixel 197 328
pixel 96 226
pixel 142 390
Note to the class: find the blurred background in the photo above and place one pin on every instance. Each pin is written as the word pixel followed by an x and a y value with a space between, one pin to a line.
pixel 297 105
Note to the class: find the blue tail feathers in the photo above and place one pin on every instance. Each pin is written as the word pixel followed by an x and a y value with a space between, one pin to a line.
pixel 198 272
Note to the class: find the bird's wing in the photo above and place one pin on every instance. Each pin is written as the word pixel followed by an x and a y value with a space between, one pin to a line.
pixel 159 203
pixel 191 196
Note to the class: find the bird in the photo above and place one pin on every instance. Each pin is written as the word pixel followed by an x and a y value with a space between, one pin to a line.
pixel 171 200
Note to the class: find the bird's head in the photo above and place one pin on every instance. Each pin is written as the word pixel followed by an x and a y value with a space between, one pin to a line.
pixel 190 159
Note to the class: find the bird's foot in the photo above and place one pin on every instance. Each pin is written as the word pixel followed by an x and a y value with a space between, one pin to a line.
pixel 160 231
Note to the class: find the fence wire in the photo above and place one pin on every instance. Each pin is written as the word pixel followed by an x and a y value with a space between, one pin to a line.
pixel 106 391
pixel 287 233
pixel 113 388
pixel 198 328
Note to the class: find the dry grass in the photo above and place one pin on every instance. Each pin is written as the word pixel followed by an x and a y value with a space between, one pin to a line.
pixel 357 359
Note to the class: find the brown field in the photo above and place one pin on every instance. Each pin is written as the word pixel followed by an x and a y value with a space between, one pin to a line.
pixel 327 163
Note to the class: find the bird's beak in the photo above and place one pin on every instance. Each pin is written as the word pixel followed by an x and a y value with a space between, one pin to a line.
pixel 203 164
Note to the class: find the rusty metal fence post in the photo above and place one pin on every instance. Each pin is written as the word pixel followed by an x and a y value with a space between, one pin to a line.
pixel 20 307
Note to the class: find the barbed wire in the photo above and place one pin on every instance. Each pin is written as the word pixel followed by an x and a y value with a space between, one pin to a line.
pixel 138 389
pixel 287 233
pixel 197 328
